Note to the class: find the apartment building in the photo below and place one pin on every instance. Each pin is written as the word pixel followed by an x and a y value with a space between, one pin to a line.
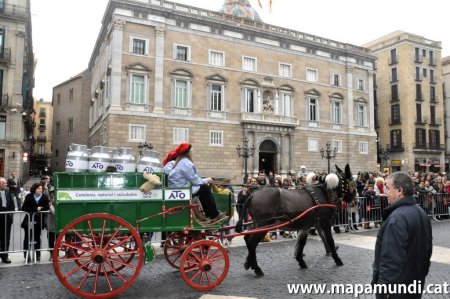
pixel 16 87
pixel 409 105
pixel 41 152
pixel 446 99
pixel 71 103
pixel 167 73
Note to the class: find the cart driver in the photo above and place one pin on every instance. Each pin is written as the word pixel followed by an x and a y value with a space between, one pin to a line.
pixel 184 172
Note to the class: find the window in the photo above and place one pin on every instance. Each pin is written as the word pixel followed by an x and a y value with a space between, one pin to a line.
pixel 418 77
pixel 42 112
pixel 361 112
pixel 424 72
pixel 58 128
pixel 137 95
pixel 311 75
pixel 2 127
pixel 138 46
pixel 181 52
pixel 431 58
pixel 418 92
pixel 394 75
pixel 181 94
pixel 395 114
pixel 41 149
pixel 249 64
pixel 421 137
pixel 216 97
pixel 216 58
pixel 433 115
pixel 285 70
pixel 434 139
pixel 394 93
pixel 432 76
pixel 285 106
pixel 336 112
pixel 313 145
pixel 419 113
pixel 71 95
pixel 180 135
pixel 2 5
pixel 70 127
pixel 417 57
pixel 136 132
pixel 432 94
pixel 58 98
pixel 393 56
pixel 396 138
pixel 215 138
pixel 312 109
pixel 250 100
pixel 336 144
pixel 335 80
pixel 360 84
pixel 424 53
pixel 363 147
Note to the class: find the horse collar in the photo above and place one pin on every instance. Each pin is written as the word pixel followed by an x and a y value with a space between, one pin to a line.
pixel 313 196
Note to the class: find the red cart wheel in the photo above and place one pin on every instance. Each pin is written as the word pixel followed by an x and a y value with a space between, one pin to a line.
pixel 174 247
pixel 204 265
pixel 98 256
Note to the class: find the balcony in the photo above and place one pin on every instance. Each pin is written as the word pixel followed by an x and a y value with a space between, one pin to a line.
pixel 418 77
pixel 42 114
pixel 432 61
pixel 419 97
pixel 418 59
pixel 395 121
pixel 5 56
pixel 393 60
pixel 42 127
pixel 432 80
pixel 425 147
pixel 435 121
pixel 422 120
pixel 270 118
pixel 41 139
pixel 398 147
pixel 394 98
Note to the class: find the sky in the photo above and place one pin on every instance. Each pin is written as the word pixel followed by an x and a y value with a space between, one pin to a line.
pixel 65 31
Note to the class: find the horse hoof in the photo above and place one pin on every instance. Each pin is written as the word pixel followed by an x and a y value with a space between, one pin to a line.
pixel 259 273
pixel 303 265
pixel 246 266
pixel 339 263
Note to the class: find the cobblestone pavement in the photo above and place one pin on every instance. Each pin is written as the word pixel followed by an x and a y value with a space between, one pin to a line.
pixel 159 280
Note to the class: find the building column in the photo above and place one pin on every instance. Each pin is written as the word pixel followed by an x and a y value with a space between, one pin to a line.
pixel 255 156
pixel 116 61
pixel 282 154
pixel 350 95
pixel 371 103
pixel 159 69
pixel 291 154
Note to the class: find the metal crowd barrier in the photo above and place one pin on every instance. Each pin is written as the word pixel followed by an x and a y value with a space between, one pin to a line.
pixel 17 234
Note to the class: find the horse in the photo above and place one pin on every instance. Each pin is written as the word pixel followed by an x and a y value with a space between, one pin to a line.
pixel 270 206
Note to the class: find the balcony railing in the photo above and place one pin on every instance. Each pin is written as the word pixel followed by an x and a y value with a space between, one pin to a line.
pixel 418 59
pixel 419 97
pixel 41 139
pixel 398 147
pixel 435 121
pixel 5 55
pixel 394 98
pixel 395 121
pixel 42 127
pixel 393 59
pixel 422 120
pixel 429 146
pixel 432 61
pixel 418 77
pixel 42 114
pixel 268 118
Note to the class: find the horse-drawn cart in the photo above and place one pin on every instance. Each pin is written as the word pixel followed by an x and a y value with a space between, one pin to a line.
pixel 99 220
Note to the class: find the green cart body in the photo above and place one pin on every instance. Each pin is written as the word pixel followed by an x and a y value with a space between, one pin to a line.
pixel 118 194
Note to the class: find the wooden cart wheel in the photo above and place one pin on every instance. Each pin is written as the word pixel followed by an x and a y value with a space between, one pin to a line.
pixel 204 265
pixel 174 247
pixel 98 256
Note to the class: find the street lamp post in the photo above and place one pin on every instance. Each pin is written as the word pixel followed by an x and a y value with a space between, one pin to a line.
pixel 245 152
pixel 328 153
pixel 144 146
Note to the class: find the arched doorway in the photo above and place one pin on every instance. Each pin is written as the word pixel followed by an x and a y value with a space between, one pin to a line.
pixel 267 156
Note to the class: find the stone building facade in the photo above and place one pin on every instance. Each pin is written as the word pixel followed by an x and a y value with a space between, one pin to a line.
pixel 168 73
pixel 410 109
pixel 446 99
pixel 71 102
pixel 42 137
pixel 16 87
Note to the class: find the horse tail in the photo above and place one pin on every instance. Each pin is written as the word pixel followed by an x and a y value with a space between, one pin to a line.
pixel 244 210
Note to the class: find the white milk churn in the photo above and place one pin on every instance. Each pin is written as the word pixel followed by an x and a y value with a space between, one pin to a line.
pixel 149 162
pixel 124 160
pixel 99 159
pixel 77 158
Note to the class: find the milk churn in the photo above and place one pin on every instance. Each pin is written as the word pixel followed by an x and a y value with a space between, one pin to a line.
pixel 99 159
pixel 124 160
pixel 149 162
pixel 77 158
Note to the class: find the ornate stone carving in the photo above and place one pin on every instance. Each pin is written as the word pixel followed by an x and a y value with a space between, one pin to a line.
pixel 160 31
pixel 119 24
pixel 268 102
pixel 349 69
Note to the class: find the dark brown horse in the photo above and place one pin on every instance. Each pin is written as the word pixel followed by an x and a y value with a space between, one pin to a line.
pixel 272 206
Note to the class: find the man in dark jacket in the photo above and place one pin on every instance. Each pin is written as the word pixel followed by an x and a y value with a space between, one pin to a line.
pixel 6 220
pixel 404 241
